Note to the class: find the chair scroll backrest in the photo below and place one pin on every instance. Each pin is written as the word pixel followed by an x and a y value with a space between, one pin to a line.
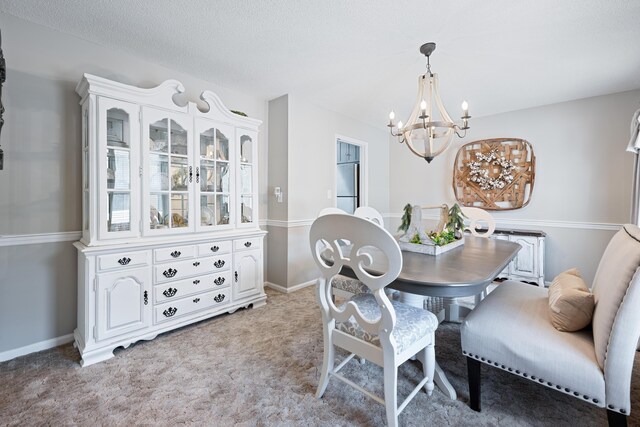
pixel 369 213
pixel 616 318
pixel 367 240
pixel 478 217
pixel 331 210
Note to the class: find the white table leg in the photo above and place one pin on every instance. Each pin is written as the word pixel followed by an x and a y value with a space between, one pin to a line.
pixel 411 299
pixel 441 380
pixel 439 376
pixel 454 312
pixel 443 383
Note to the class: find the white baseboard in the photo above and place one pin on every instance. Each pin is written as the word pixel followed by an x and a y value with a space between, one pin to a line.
pixel 290 289
pixel 32 348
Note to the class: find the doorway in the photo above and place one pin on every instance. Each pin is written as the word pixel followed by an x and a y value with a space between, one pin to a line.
pixel 351 191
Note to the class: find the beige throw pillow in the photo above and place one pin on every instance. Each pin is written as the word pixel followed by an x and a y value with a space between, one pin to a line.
pixel 571 303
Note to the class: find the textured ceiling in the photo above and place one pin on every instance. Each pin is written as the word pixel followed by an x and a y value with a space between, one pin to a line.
pixel 361 58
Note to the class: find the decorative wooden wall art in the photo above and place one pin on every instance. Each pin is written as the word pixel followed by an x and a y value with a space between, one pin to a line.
pixel 494 174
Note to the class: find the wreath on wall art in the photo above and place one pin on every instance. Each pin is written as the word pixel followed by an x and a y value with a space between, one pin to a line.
pixel 481 175
pixel 494 174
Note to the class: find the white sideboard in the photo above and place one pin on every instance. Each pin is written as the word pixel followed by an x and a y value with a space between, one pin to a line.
pixel 170 233
pixel 528 265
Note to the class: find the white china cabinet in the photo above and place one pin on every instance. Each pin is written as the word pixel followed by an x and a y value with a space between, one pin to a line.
pixel 170 233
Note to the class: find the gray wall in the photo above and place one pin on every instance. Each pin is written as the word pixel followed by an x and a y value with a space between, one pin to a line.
pixel 277 238
pixel 583 175
pixel 38 288
pixel 278 172
pixel 307 165
pixel 312 157
pixel 40 185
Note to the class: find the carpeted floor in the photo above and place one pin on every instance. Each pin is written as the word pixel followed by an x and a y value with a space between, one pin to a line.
pixel 260 367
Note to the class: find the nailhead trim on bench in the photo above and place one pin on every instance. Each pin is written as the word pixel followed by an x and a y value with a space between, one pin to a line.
pixel 541 381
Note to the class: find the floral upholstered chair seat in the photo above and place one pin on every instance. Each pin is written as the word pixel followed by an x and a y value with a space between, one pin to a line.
pixel 412 322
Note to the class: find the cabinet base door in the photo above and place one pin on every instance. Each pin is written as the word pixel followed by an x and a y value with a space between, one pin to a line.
pixel 123 302
pixel 247 279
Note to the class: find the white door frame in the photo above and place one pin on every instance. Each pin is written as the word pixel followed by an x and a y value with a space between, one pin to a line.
pixel 364 168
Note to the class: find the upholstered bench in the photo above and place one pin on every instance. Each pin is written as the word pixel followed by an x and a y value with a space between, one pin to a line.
pixel 511 329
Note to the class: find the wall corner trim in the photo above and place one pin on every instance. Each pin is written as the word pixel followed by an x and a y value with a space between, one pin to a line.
pixel 291 289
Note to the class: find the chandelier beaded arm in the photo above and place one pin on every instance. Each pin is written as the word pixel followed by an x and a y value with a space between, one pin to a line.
pixel 422 126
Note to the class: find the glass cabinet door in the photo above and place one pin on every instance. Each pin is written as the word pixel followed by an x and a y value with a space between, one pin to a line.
pixel 118 141
pixel 168 172
pixel 247 150
pixel 214 175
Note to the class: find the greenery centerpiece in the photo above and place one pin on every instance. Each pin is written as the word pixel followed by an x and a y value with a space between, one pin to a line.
pixel 446 236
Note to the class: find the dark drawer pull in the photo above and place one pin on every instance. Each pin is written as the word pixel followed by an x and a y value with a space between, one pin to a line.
pixel 219 263
pixel 169 273
pixel 170 311
pixel 218 298
pixel 215 248
pixel 196 300
pixel 176 254
pixel 170 292
pixel 197 263
pixel 146 298
pixel 247 244
pixel 219 281
pixel 236 277
pixel 195 282
pixel 124 261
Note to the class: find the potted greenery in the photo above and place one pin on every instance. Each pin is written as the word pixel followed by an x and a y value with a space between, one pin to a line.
pixel 455 222
pixel 447 235
pixel 453 228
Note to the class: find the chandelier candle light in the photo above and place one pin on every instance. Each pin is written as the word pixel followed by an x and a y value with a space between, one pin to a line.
pixel 422 124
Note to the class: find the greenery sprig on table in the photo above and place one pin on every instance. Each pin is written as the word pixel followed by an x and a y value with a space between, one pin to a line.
pixel 406 218
pixel 455 222
pixel 443 238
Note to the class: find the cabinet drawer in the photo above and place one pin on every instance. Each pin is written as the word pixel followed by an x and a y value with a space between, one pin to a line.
pixel 174 253
pixel 246 244
pixel 123 259
pixel 178 270
pixel 192 304
pixel 214 248
pixel 179 289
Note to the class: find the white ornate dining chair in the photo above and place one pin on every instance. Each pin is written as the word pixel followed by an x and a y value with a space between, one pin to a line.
pixel 369 213
pixel 369 325
pixel 343 286
pixel 479 219
pixel 511 330
pixel 332 210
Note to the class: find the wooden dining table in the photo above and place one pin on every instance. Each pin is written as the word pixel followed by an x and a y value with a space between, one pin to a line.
pixel 464 271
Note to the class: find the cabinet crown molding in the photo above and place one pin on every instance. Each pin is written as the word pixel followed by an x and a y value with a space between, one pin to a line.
pixel 162 96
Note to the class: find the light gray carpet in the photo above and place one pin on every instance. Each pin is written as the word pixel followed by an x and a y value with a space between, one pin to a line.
pixel 260 367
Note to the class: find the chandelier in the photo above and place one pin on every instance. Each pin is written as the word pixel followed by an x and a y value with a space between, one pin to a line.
pixel 429 130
